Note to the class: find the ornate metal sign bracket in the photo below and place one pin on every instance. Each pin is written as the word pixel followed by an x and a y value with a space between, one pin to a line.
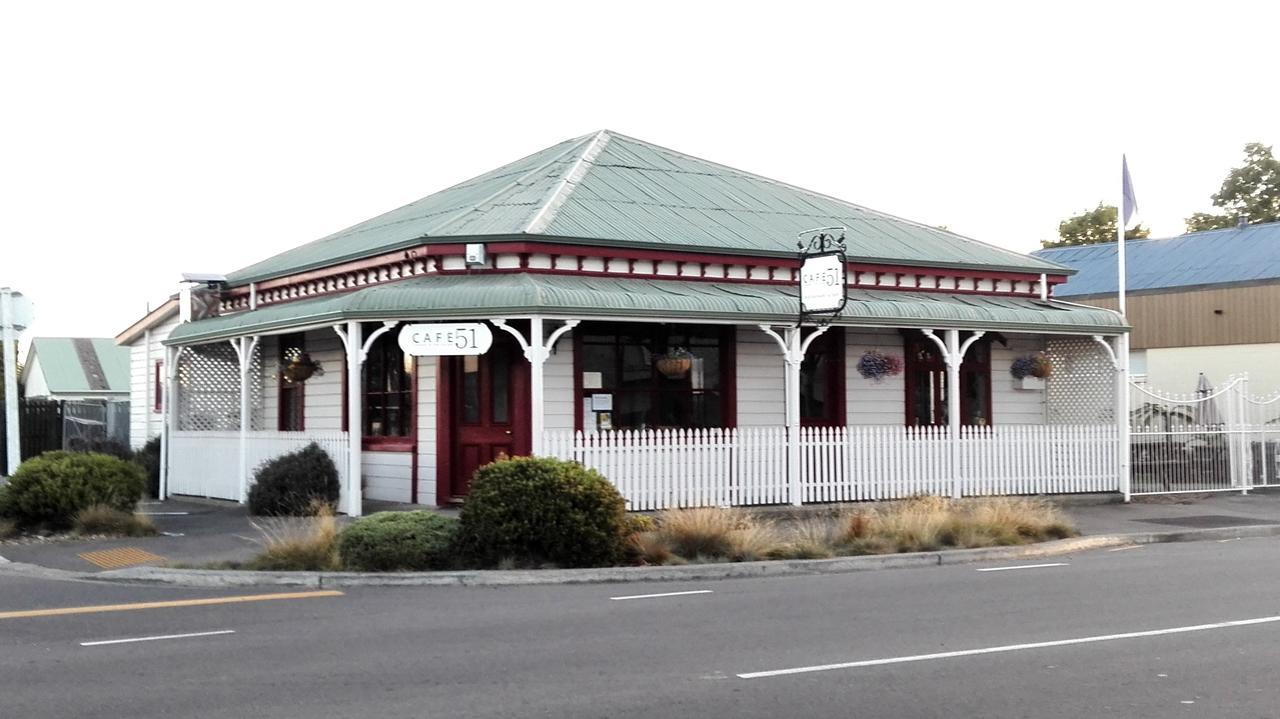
pixel 824 279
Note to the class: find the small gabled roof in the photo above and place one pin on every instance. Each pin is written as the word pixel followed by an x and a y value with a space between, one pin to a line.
pixel 80 365
pixel 613 190
pixel 148 321
pixel 1197 259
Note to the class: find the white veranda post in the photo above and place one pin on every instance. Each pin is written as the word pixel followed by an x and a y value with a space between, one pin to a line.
pixel 1119 356
pixel 357 347
pixel 168 413
pixel 793 351
pixel 244 347
pixel 536 350
pixel 953 353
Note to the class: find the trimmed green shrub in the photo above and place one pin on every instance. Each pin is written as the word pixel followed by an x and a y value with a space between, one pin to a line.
pixel 293 484
pixel 395 541
pixel 148 457
pixel 100 445
pixel 542 510
pixel 50 489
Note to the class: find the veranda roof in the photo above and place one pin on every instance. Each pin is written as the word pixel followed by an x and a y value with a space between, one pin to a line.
pixel 575 296
pixel 607 189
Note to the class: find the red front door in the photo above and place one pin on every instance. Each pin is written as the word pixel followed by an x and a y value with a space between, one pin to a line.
pixel 489 398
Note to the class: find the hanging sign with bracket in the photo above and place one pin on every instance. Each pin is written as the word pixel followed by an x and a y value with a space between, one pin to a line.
pixel 824 276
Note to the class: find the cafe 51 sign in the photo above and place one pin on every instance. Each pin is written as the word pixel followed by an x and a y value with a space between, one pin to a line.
pixel 435 340
pixel 823 273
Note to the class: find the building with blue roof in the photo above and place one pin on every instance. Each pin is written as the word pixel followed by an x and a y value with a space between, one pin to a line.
pixel 1200 302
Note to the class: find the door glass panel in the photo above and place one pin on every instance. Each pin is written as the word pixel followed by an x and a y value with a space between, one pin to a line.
pixel 500 387
pixel 471 389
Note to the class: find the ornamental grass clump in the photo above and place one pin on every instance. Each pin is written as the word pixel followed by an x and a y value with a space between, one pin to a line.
pixel 296 544
pixel 101 519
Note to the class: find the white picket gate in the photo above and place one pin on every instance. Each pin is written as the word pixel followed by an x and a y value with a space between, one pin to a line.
pixel 657 469
pixel 207 464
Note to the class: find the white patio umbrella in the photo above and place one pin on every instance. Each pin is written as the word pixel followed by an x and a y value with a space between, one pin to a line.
pixel 1205 412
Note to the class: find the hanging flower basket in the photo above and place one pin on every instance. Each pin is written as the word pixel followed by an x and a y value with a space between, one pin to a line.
pixel 675 364
pixel 875 365
pixel 1036 365
pixel 301 368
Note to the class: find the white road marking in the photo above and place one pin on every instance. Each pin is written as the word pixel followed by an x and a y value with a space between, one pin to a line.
pixel 1010 648
pixel 1024 566
pixel 664 594
pixel 157 638
pixel 1125 548
pixel 1233 539
pixel 165 514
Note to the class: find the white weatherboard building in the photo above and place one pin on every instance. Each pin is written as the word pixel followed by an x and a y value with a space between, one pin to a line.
pixel 642 306
pixel 145 339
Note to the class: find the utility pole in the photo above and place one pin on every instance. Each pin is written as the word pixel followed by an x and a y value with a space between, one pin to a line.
pixel 15 315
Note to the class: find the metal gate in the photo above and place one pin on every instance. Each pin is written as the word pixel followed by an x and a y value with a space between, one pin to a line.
pixel 1212 440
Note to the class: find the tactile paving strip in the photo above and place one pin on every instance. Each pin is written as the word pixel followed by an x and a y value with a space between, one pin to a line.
pixel 120 557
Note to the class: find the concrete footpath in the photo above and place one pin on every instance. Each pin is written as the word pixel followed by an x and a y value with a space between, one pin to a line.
pixel 199 533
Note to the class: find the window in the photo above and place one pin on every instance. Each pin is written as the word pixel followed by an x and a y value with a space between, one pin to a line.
pixel 926 381
pixel 158 405
pixel 292 394
pixel 822 402
pixel 660 376
pixel 388 389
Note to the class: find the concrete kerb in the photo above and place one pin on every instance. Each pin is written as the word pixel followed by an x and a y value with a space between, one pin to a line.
pixel 602 575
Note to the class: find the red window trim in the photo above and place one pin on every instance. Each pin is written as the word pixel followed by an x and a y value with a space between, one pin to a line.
pixel 728 373
pixel 378 443
pixel 158 403
pixel 910 339
pixel 298 339
pixel 838 414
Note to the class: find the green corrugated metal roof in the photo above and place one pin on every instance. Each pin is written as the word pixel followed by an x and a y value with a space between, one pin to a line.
pixel 609 189
pixel 65 372
pixel 482 297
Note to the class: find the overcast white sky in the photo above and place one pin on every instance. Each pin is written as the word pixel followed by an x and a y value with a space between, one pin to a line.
pixel 140 140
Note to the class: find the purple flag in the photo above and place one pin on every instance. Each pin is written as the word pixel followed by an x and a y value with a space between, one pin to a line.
pixel 1130 200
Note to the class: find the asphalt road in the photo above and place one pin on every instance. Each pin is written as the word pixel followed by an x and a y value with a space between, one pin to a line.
pixel 573 651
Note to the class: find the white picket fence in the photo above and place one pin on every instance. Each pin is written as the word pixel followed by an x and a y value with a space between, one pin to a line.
pixel 657 469
pixel 207 464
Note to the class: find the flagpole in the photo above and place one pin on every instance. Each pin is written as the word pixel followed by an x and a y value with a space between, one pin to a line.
pixel 1122 342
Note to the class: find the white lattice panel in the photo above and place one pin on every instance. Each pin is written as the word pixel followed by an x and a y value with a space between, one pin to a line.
pixel 209 389
pixel 1082 388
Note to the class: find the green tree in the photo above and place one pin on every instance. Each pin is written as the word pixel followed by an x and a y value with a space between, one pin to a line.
pixel 1251 192
pixel 1091 227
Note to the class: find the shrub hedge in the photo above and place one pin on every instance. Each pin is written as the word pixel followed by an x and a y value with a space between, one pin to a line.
pixel 50 489
pixel 148 457
pixel 398 541
pixel 294 484
pixel 542 510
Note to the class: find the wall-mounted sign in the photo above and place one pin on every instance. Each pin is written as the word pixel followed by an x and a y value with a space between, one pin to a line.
pixel 601 403
pixel 431 340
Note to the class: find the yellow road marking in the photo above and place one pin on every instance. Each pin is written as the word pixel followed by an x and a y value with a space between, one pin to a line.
pixel 120 557
pixel 26 613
